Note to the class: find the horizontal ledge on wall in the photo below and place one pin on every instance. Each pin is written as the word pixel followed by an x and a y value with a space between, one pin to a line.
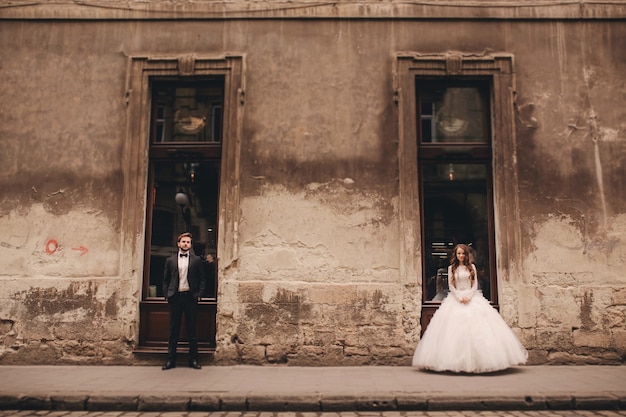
pixel 166 9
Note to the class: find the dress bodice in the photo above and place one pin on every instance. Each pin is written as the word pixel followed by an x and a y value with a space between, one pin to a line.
pixel 462 278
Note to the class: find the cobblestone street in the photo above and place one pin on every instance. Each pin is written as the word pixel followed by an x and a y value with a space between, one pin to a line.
pixel 544 413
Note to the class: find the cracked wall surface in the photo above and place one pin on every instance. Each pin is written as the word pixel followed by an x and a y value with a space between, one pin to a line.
pixel 318 275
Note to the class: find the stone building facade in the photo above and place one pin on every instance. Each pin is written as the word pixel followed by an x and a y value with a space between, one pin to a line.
pixel 310 176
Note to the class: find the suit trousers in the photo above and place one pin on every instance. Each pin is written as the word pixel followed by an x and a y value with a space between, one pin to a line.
pixel 183 304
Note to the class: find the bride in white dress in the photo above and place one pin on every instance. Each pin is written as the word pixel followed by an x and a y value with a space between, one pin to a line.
pixel 466 334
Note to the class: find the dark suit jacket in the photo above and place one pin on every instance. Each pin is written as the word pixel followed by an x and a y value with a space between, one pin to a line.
pixel 195 276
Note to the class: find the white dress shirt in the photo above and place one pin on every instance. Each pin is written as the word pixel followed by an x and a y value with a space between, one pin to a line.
pixel 183 267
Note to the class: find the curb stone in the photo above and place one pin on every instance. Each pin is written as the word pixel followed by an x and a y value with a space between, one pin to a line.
pixel 112 402
pixel 201 402
pixel 9 402
pixel 163 403
pixel 377 402
pixel 282 403
pixel 560 402
pixel 309 403
pixel 412 402
pixel 69 402
pixel 594 402
pixel 35 402
pixel 233 402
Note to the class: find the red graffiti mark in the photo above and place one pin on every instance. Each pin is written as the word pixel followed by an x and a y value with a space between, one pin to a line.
pixel 51 246
pixel 83 250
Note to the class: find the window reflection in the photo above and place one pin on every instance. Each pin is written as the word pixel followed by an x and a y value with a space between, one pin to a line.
pixel 185 197
pixel 188 113
pixel 455 211
pixel 454 114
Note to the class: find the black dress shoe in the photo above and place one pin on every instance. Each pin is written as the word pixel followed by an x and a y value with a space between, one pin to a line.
pixel 195 365
pixel 169 365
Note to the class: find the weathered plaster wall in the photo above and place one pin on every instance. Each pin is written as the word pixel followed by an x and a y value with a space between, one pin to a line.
pixel 65 298
pixel 572 135
pixel 321 286
pixel 318 276
pixel 563 296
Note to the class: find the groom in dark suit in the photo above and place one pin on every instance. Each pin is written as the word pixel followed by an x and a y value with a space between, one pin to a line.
pixel 183 285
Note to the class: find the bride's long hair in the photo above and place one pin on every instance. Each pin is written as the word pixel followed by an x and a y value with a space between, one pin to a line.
pixel 469 260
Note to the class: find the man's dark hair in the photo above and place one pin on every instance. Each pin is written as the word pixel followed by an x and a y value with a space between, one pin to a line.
pixel 182 235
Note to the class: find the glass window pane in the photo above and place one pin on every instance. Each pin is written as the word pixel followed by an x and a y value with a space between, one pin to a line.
pixel 185 112
pixel 453 114
pixel 185 197
pixel 455 211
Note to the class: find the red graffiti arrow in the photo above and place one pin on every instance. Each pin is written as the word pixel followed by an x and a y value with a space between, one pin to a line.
pixel 83 250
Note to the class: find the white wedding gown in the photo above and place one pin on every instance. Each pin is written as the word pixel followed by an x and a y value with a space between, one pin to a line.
pixel 470 337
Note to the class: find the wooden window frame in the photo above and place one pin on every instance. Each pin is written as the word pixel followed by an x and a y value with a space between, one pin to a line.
pixel 498 70
pixel 137 152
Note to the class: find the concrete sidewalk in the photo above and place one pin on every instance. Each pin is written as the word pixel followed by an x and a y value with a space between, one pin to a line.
pixel 284 388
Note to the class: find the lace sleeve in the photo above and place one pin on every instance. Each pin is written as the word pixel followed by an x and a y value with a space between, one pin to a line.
pixel 451 286
pixel 470 293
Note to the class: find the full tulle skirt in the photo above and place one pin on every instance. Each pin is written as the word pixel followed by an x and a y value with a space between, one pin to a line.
pixel 470 337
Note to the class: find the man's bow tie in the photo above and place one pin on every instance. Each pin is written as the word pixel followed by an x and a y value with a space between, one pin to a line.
pixel 183 255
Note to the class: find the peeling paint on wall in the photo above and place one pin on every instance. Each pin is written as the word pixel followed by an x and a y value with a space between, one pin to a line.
pixel 68 324
pixel 316 275
pixel 40 243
